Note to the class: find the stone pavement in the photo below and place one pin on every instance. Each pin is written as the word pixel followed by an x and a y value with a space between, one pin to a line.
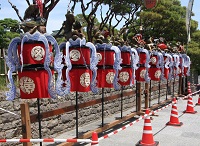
pixel 186 135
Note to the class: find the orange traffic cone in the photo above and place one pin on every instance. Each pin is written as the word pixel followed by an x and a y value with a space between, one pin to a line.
pixel 174 121
pixel 189 91
pixel 147 137
pixel 95 141
pixel 198 103
pixel 190 108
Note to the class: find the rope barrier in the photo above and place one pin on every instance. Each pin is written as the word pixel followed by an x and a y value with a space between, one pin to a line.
pixel 46 140
pixel 196 84
pixel 190 94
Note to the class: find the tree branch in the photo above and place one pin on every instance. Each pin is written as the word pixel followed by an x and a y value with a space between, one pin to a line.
pixel 16 10
pixel 28 2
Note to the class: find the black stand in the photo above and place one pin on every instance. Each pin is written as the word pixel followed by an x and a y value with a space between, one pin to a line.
pixel 122 102
pixel 159 92
pixel 102 106
pixel 173 86
pixel 166 89
pixel 39 120
pixel 76 114
pixel 150 94
pixel 136 96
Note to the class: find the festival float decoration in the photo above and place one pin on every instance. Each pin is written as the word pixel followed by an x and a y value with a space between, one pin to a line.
pixel 80 71
pixel 176 65
pixel 142 73
pixel 79 60
pixel 167 58
pixel 109 60
pixel 129 63
pixel 186 65
pixel 31 56
pixel 156 71
pixel 168 65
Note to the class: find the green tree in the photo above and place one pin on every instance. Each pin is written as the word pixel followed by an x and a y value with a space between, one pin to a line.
pixel 166 20
pixel 9 29
pixel 194 51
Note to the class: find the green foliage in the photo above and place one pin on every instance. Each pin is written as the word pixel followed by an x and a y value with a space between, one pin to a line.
pixel 9 29
pixel 166 20
pixel 122 7
pixel 194 51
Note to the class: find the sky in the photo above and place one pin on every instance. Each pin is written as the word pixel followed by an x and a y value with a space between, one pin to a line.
pixel 57 15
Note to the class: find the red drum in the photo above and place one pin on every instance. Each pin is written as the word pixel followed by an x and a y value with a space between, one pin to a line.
pixel 155 73
pixel 126 59
pixel 33 53
pixel 140 74
pixel 153 60
pixel 125 76
pixel 162 46
pixel 166 73
pixel 80 79
pixel 105 78
pixel 105 57
pixel 33 84
pixel 79 55
pixel 142 57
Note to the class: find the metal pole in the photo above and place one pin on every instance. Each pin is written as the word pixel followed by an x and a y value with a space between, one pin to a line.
pixel 102 108
pixel 173 86
pixel 136 96
pixel 159 92
pixel 150 94
pixel 39 120
pixel 76 114
pixel 146 95
pixel 121 102
pixel 167 90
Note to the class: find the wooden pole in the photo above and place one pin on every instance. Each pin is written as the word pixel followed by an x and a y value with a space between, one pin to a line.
pixel 26 123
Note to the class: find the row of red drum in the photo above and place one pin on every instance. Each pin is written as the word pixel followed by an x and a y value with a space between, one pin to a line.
pixel 34 82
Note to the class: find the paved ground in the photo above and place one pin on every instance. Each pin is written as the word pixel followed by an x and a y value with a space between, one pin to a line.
pixel 186 135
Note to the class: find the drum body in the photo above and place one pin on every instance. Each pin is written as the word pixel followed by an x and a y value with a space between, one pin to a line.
pixel 105 78
pixel 140 74
pixel 125 76
pixel 33 84
pixel 105 57
pixel 154 73
pixel 33 53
